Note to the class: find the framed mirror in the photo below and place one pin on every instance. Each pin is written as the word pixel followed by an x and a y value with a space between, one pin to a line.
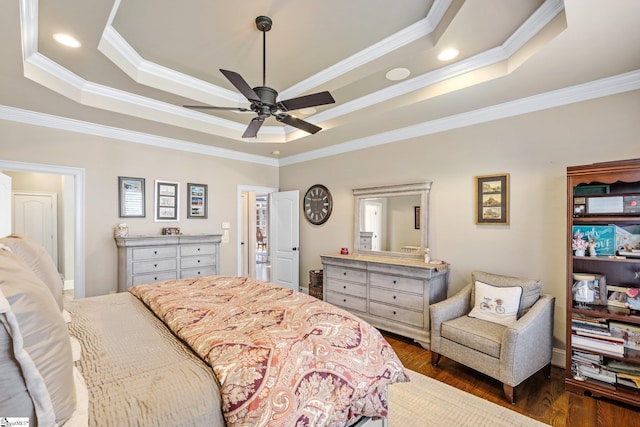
pixel 392 220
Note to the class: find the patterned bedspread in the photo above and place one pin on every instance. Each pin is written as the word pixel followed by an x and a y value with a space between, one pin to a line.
pixel 283 358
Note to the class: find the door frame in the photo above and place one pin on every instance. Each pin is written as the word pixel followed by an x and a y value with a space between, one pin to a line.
pixel 239 220
pixel 78 175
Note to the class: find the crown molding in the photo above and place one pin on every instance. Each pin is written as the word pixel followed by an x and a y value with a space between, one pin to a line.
pixel 62 123
pixel 53 76
pixel 597 89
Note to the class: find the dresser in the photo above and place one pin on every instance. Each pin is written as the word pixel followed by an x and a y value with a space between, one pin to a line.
pixel 146 259
pixel 392 294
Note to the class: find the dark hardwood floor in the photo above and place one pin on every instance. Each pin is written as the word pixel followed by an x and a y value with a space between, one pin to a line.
pixel 538 397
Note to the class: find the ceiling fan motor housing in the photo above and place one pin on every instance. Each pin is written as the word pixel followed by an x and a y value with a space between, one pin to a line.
pixel 267 96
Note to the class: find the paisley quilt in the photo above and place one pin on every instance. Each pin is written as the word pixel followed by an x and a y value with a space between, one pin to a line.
pixel 282 358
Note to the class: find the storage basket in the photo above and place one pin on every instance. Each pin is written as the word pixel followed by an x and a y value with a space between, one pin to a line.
pixel 315 283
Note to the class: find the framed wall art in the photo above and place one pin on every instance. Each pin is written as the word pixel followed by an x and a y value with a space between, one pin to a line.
pixel 416 217
pixel 492 199
pixel 131 197
pixel 167 201
pixel 197 203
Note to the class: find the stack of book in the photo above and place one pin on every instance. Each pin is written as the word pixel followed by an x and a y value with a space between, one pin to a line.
pixel 626 373
pixel 594 335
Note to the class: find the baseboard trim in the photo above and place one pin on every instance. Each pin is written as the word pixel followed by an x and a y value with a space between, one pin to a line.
pixel 558 357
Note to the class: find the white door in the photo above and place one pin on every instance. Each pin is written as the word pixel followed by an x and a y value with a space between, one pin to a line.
pixel 284 238
pixel 373 222
pixel 36 215
pixel 5 205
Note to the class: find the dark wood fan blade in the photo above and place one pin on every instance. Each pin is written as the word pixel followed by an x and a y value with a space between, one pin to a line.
pixel 253 128
pixel 210 107
pixel 298 123
pixel 240 84
pixel 313 100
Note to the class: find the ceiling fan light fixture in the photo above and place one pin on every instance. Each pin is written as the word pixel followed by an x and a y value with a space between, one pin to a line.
pixel 308 111
pixel 67 40
pixel 448 54
pixel 398 74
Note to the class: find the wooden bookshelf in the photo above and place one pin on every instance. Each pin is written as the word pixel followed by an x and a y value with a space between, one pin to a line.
pixel 619 179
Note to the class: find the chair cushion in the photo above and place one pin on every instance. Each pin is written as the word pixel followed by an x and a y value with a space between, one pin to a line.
pixel 498 304
pixel 478 334
pixel 531 288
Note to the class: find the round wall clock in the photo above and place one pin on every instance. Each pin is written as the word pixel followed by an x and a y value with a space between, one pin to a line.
pixel 317 204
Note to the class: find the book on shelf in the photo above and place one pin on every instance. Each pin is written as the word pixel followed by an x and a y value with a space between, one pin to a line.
pixel 629 380
pixel 587 357
pixel 635 253
pixel 599 345
pixel 623 367
pixel 605 338
pixel 598 374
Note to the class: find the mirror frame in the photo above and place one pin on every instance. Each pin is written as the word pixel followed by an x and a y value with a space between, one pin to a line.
pixel 420 188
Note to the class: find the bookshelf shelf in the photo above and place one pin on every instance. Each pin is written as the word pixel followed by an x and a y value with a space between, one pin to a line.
pixel 598 362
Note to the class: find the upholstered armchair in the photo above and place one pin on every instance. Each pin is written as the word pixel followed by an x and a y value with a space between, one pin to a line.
pixel 498 325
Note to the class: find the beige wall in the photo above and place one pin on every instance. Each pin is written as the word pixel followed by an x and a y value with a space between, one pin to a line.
pixel 534 149
pixel 105 159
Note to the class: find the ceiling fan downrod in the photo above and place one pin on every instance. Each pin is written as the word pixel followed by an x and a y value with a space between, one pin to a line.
pixel 264 24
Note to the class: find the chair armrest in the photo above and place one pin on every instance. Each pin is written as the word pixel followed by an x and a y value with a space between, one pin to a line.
pixel 527 345
pixel 450 308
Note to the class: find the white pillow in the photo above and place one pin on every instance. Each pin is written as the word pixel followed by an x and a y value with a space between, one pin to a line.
pixel 497 304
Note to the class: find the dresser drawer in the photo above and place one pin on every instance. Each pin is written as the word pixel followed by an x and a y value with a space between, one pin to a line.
pixel 410 317
pixel 150 278
pixel 396 282
pixel 412 301
pixel 353 289
pixel 153 253
pixel 143 267
pixel 350 274
pixel 190 250
pixel 197 272
pixel 196 261
pixel 347 301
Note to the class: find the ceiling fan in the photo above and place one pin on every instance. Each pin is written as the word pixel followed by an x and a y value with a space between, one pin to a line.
pixel 263 98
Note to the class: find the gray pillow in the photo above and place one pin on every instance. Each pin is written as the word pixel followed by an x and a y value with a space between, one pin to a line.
pixel 38 261
pixel 36 365
pixel 531 288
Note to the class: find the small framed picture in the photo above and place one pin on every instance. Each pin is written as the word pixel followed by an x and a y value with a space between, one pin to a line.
pixel 492 199
pixel 416 217
pixel 167 201
pixel 197 200
pixel 131 197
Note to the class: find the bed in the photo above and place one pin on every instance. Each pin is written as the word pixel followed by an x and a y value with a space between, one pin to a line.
pixel 214 351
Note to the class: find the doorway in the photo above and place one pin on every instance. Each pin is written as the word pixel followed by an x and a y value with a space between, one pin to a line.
pixel 71 221
pixel 253 232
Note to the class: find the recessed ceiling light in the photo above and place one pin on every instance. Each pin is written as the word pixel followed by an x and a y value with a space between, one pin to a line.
pixel 66 40
pixel 398 74
pixel 448 54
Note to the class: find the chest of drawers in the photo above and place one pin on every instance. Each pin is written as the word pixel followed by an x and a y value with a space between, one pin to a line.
pixel 392 294
pixel 146 259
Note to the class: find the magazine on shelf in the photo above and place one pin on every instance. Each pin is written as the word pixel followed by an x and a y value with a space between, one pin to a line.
pixel 629 333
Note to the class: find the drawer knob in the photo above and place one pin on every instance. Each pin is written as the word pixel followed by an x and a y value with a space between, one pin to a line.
pixel 394 297
pixel 155 265
pixel 155 252
pixel 155 278
pixel 345 286
pixel 345 273
pixel 344 300
pixel 198 249
pixel 394 282
pixel 394 313
pixel 198 260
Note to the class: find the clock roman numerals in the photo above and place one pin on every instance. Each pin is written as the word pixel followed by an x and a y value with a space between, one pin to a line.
pixel 317 204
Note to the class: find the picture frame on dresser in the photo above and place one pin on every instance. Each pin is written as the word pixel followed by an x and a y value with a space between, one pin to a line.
pixel 131 201
pixel 492 199
pixel 197 200
pixel 167 201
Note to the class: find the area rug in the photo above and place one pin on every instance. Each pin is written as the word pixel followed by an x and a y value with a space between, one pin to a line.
pixel 427 402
